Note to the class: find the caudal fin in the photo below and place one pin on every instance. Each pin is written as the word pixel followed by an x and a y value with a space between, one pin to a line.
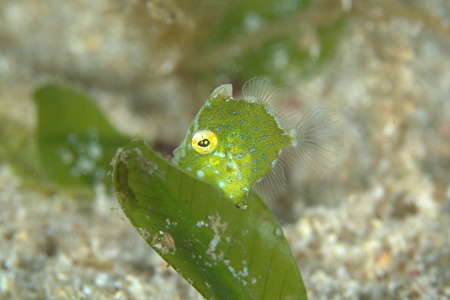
pixel 319 138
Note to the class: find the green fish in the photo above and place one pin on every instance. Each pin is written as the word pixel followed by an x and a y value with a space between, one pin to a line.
pixel 239 144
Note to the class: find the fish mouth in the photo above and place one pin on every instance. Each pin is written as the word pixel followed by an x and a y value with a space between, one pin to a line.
pixel 178 155
pixel 175 158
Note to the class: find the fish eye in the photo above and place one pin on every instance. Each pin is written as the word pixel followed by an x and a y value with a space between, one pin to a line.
pixel 204 142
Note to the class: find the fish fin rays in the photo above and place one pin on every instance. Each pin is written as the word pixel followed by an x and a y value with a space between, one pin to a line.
pixel 319 137
pixel 273 185
pixel 259 89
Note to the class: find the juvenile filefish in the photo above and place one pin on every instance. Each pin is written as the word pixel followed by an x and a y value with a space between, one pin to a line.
pixel 240 144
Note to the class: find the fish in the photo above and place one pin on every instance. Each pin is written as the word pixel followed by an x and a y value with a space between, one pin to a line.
pixel 237 145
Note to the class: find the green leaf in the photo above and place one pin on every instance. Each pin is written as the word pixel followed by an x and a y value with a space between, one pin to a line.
pixel 76 142
pixel 283 40
pixel 18 148
pixel 243 16
pixel 224 252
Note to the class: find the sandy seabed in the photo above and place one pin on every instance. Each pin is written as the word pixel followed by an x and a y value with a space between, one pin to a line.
pixel 374 226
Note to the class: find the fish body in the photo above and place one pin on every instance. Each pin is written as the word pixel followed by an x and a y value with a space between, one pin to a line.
pixel 234 144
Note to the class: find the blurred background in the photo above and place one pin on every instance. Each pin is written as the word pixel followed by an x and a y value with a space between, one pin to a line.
pixel 373 226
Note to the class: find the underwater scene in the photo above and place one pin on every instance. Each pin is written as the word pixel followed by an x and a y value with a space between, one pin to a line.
pixel 280 149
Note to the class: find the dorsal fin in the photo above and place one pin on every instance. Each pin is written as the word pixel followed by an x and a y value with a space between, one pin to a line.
pixel 224 89
pixel 259 89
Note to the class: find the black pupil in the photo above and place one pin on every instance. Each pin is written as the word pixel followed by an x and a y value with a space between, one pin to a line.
pixel 203 143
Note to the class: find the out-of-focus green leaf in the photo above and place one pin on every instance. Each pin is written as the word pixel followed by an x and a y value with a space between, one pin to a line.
pixel 283 40
pixel 224 252
pixel 18 148
pixel 244 16
pixel 76 142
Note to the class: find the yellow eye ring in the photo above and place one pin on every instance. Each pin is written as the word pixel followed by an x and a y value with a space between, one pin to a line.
pixel 204 142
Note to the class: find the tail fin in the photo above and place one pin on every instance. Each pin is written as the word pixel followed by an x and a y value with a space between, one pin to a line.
pixel 319 137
